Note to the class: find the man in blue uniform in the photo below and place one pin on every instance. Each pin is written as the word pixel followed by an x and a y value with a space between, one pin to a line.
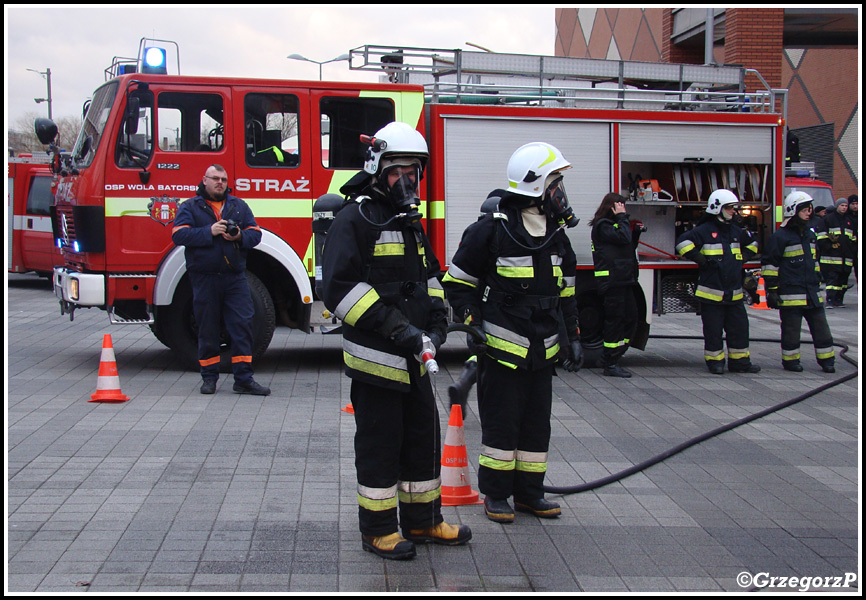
pixel 217 230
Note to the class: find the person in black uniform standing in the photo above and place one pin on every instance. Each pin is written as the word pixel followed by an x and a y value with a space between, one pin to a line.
pixel 613 254
pixel 217 230
pixel 513 276
pixel 380 277
pixel 721 247
pixel 793 282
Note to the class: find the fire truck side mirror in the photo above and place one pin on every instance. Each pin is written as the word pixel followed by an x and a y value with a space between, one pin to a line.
pixel 46 130
pixel 133 106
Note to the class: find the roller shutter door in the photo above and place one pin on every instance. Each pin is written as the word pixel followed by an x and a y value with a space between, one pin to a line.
pixel 646 142
pixel 477 152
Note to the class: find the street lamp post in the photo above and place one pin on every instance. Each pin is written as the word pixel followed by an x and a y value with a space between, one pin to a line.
pixel 324 62
pixel 47 74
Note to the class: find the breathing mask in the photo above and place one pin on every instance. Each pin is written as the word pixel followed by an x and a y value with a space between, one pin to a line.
pixel 398 182
pixel 555 203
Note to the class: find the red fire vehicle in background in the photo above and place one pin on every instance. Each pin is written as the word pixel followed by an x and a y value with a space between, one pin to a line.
pixel 148 137
pixel 30 198
pixel 802 176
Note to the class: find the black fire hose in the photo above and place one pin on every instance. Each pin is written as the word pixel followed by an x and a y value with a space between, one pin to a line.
pixel 459 393
pixel 591 485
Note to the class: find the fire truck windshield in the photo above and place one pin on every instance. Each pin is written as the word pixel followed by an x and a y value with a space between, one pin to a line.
pixel 94 124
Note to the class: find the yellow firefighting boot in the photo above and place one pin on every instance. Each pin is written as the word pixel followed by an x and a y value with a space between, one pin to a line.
pixel 443 533
pixel 392 546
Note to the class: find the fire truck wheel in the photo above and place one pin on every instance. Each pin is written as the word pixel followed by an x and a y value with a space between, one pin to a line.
pixel 177 329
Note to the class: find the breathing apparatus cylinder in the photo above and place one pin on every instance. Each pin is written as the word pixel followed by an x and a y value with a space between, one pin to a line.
pixel 325 210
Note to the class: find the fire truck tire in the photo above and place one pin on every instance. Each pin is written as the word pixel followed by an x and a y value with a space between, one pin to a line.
pixel 176 327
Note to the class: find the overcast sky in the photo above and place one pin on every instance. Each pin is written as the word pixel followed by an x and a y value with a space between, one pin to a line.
pixel 78 43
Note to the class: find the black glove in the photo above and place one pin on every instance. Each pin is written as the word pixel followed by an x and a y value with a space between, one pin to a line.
pixel 476 346
pixel 399 330
pixel 574 361
pixel 773 298
pixel 438 339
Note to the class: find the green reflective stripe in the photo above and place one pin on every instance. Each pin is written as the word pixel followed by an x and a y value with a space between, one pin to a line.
pixel 770 271
pixel 714 354
pixel 793 300
pixel 614 345
pixel 377 499
pixel 389 250
pixel 791 354
pixel 419 492
pixel 709 293
pixel 354 304
pixel 712 250
pixel 602 273
pixel 531 467
pixel 457 275
pixel 506 364
pixel 375 362
pixel 434 288
pixel 793 251
pixel 823 353
pixel 515 266
pixel 735 353
pixel 496 465
pixel 377 505
pixel 684 247
pixel 506 346
pixel 276 150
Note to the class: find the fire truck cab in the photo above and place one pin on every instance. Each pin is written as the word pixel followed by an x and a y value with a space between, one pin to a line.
pixel 148 139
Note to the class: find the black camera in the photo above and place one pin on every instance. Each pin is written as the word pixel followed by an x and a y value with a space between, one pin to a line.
pixel 232 228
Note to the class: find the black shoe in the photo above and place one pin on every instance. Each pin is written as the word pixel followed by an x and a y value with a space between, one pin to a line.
pixel 208 386
pixel 251 387
pixel 615 371
pixel 792 365
pixel 392 546
pixel 749 369
pixel 539 507
pixel 716 367
pixel 498 510
pixel 829 368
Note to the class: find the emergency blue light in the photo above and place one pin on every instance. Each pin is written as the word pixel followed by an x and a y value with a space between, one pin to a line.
pixel 76 247
pixel 154 61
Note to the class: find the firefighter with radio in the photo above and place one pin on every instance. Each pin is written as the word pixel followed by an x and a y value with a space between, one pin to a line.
pixel 720 247
pixel 380 277
pixel 793 281
pixel 217 230
pixel 513 276
pixel 614 242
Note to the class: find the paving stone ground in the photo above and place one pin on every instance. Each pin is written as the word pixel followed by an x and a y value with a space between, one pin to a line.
pixel 178 492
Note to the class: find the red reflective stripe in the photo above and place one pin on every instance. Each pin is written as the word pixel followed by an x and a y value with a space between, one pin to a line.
pixel 209 361
pixel 237 359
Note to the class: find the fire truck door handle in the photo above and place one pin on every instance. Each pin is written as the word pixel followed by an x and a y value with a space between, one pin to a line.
pixel 29 223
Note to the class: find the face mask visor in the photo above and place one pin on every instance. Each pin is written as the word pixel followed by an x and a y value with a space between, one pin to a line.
pixel 556 204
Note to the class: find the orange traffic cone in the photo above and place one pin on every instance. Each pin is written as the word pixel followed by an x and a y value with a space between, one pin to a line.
pixel 762 293
pixel 456 487
pixel 348 409
pixel 108 382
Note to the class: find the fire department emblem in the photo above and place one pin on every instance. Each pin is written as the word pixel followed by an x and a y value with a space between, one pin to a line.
pixel 163 210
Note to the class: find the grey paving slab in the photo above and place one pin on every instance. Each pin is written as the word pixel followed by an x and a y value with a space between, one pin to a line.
pixel 178 492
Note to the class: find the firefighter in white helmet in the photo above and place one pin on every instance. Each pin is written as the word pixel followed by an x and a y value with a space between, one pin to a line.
pixel 513 276
pixel 380 277
pixel 792 278
pixel 720 247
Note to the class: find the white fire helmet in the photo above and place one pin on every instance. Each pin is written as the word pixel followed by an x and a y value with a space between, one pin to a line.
pixel 396 141
pixel 529 167
pixel 793 202
pixel 721 198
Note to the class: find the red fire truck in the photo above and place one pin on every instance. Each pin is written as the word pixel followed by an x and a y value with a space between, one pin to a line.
pixel 664 134
pixel 30 198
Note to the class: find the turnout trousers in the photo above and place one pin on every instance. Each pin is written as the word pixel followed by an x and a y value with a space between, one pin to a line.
pixel 223 298
pixel 792 320
pixel 620 318
pixel 514 405
pixel 734 322
pixel 397 457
